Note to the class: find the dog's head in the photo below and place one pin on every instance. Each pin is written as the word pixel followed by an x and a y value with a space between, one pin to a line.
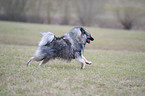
pixel 79 35
pixel 89 38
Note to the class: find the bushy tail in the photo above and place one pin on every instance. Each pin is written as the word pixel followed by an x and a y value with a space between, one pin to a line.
pixel 47 37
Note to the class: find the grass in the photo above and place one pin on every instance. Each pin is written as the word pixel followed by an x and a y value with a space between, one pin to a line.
pixel 29 34
pixel 118 67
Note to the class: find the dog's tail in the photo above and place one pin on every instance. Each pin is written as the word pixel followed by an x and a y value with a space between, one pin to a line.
pixel 47 37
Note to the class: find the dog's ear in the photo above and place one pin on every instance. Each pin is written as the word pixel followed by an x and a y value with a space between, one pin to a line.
pixel 82 30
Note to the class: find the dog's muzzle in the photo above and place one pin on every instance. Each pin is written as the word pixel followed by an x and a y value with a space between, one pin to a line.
pixel 89 39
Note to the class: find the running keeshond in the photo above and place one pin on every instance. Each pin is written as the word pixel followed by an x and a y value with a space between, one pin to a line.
pixel 68 47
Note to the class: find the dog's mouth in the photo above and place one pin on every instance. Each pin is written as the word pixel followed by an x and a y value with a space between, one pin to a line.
pixel 90 39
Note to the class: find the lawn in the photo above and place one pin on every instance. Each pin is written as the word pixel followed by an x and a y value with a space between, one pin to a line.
pixel 118 67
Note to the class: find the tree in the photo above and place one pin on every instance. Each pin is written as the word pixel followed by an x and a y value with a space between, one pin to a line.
pixel 48 10
pixel 87 10
pixel 66 12
pixel 128 13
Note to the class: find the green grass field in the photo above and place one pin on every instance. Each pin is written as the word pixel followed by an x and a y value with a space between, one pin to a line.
pixel 118 67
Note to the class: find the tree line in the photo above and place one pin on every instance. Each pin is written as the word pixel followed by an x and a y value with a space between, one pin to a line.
pixel 127 13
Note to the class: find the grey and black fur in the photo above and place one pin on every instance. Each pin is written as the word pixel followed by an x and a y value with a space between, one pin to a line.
pixel 68 47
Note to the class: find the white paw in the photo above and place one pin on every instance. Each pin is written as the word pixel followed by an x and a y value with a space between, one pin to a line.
pixel 89 62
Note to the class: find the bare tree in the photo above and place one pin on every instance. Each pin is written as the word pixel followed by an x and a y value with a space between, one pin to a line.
pixel 128 13
pixel 48 10
pixel 40 11
pixel 87 10
pixel 66 13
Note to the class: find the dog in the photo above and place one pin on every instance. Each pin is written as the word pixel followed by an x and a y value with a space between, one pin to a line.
pixel 68 47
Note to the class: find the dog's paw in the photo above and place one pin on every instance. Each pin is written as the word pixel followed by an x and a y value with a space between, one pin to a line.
pixel 89 62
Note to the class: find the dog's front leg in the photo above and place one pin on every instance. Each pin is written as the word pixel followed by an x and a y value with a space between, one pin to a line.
pixel 83 63
pixel 43 62
pixel 87 62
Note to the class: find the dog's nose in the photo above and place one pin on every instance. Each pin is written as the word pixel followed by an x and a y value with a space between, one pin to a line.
pixel 92 38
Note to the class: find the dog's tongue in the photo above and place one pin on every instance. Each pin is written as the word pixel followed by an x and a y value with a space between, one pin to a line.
pixel 88 41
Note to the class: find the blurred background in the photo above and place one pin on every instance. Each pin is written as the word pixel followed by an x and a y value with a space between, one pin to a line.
pixel 116 14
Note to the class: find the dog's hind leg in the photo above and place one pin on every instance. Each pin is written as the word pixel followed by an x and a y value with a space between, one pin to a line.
pixel 32 59
pixel 43 62
pixel 83 63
